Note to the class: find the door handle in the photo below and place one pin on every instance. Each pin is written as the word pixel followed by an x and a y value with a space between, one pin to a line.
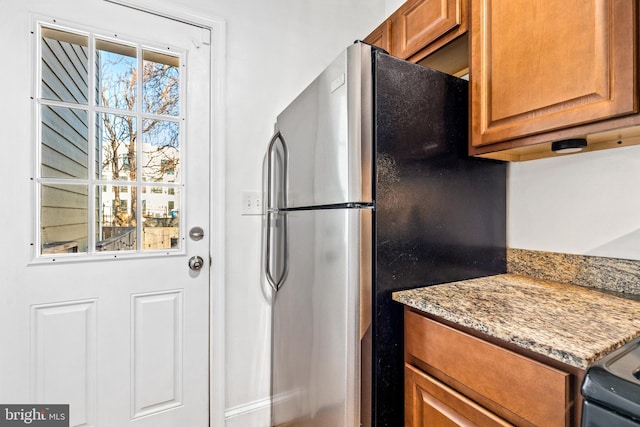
pixel 196 263
pixel 273 210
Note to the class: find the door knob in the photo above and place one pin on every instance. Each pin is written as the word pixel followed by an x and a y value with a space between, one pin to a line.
pixel 196 263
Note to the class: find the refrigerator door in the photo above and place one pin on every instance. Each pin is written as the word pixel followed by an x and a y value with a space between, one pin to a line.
pixel 319 321
pixel 327 133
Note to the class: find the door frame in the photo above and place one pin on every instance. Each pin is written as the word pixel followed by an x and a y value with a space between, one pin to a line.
pixel 217 26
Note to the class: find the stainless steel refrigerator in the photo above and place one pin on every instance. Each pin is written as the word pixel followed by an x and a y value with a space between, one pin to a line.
pixel 368 190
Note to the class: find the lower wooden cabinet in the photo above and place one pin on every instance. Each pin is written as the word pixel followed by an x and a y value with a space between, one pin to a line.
pixel 456 379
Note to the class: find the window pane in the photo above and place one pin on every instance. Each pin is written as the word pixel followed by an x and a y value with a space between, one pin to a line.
pixel 64 134
pixel 116 137
pixel 65 62
pixel 161 151
pixel 161 83
pixel 117 80
pixel 161 219
pixel 64 224
pixel 123 124
pixel 117 225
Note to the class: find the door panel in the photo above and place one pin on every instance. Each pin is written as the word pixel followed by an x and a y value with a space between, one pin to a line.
pixel 157 352
pixel 63 359
pixel 316 315
pixel 122 338
pixel 326 130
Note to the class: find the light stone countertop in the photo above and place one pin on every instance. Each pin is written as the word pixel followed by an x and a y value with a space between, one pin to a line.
pixel 572 324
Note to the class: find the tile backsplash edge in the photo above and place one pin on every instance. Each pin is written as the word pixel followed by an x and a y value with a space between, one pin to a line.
pixel 611 274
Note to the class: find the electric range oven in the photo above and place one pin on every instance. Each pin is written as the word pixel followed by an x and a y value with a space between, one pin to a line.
pixel 611 389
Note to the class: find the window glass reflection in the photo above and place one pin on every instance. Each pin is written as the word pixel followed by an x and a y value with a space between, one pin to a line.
pixel 161 84
pixel 116 141
pixel 116 206
pixel 161 218
pixel 160 151
pixel 64 142
pixel 64 219
pixel 117 80
pixel 65 66
pixel 109 130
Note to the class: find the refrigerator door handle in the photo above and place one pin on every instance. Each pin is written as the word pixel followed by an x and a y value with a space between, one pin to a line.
pixel 275 283
pixel 270 184
pixel 267 255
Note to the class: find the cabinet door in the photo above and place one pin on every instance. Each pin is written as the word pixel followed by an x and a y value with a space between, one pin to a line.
pixel 380 37
pixel 430 403
pixel 543 65
pixel 417 23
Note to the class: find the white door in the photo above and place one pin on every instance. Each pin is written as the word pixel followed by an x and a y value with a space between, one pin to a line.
pixel 105 137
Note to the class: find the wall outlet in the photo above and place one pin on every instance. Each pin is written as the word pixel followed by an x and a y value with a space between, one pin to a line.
pixel 251 203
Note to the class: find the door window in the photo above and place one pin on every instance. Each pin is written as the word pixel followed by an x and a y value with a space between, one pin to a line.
pixel 110 129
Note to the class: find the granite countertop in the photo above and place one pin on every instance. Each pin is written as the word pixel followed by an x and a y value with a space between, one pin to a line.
pixel 573 324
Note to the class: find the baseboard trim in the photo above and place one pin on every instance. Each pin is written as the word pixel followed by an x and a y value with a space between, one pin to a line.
pixel 262 404
pixel 248 408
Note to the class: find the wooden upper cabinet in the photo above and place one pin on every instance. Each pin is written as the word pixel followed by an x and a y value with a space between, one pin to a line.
pixel 380 37
pixel 418 23
pixel 421 27
pixel 545 65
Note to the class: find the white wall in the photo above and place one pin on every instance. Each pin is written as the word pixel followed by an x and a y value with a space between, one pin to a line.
pixel 585 203
pixel 274 49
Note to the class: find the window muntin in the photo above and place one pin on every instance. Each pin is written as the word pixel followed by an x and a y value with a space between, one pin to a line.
pixel 94 126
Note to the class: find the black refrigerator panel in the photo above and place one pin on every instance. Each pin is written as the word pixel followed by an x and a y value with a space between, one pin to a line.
pixel 440 215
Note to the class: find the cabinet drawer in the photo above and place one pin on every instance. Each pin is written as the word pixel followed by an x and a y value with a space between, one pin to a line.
pixel 431 403
pixel 519 389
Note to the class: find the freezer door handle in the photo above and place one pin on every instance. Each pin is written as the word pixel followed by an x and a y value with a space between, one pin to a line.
pixel 272 182
pixel 282 155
